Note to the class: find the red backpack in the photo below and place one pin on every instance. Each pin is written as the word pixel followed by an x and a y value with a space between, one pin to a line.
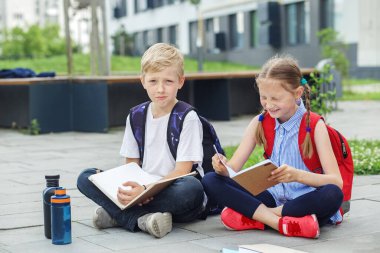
pixel 339 145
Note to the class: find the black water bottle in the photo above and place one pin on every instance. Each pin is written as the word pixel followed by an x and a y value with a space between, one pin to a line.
pixel 52 182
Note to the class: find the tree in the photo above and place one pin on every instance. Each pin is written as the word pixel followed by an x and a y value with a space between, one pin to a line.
pixel 34 41
pixel 123 43
pixel 332 47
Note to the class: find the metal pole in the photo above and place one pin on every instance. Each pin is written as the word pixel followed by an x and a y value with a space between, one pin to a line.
pixel 107 62
pixel 199 41
pixel 66 6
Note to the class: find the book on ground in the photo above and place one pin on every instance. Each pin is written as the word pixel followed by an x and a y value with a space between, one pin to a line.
pixel 255 178
pixel 110 180
pixel 266 248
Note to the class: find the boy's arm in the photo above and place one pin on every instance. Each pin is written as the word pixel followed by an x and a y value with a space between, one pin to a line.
pixel 181 168
pixel 132 160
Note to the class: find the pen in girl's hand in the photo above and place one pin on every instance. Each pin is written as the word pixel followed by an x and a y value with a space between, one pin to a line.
pixel 218 154
pixel 229 169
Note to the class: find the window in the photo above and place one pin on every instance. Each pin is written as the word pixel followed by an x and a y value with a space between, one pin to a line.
pixel 139 43
pixel 236 28
pixel 173 35
pixel 209 36
pixel 140 6
pixel 295 23
pixel 159 35
pixel 145 40
pixel 254 29
pixel 120 9
pixel 326 14
pixel 18 16
pixel 193 34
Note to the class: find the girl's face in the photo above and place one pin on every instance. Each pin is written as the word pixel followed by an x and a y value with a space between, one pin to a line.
pixel 279 102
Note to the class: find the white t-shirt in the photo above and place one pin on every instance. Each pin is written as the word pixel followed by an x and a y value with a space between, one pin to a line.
pixel 157 157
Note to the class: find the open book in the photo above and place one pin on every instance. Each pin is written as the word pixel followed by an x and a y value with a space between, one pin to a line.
pixel 255 178
pixel 110 180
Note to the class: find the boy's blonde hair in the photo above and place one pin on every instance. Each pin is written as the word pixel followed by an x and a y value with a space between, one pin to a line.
pixel 286 71
pixel 160 56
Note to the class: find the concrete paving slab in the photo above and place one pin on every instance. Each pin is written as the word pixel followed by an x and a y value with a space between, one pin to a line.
pixel 354 244
pixel 183 247
pixel 122 241
pixel 25 160
pixel 45 246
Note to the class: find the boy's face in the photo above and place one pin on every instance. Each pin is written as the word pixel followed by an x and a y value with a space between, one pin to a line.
pixel 162 87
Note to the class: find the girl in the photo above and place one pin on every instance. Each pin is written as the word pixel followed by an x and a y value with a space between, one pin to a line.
pixel 302 201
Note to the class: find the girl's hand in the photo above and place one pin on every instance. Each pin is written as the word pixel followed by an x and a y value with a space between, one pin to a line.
pixel 125 196
pixel 284 174
pixel 218 165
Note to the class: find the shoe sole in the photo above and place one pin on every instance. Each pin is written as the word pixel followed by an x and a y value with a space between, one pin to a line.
pixel 233 229
pixel 95 218
pixel 229 228
pixel 316 221
pixel 160 224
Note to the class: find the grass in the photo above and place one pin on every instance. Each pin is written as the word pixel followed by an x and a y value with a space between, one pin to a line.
pixel 355 82
pixel 365 153
pixel 119 65
pixel 349 95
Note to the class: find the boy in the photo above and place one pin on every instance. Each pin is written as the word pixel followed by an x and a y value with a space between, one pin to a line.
pixel 162 75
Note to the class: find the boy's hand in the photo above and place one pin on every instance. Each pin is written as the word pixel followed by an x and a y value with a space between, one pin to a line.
pixel 284 174
pixel 217 164
pixel 127 195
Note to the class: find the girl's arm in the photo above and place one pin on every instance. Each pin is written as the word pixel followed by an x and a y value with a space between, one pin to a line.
pixel 328 161
pixel 247 145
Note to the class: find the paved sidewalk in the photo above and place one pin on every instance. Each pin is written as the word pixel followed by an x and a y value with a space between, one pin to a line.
pixel 24 160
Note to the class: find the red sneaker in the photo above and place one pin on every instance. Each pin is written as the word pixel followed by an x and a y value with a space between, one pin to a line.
pixel 236 221
pixel 306 226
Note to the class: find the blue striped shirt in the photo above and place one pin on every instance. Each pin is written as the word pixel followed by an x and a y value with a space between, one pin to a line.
pixel 286 151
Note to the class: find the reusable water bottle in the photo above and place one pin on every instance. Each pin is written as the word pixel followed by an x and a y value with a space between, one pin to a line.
pixel 52 182
pixel 60 217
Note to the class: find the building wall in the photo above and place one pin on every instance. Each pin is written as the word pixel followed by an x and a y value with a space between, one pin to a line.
pixel 356 21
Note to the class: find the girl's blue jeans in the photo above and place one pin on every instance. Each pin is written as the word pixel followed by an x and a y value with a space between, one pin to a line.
pixel 324 202
pixel 183 199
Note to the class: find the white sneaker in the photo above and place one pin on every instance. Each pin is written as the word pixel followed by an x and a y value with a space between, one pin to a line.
pixel 102 219
pixel 156 224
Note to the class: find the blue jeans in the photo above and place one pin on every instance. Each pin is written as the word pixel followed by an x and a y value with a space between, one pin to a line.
pixel 183 199
pixel 324 201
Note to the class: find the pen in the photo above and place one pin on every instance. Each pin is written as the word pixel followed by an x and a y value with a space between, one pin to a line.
pixel 229 169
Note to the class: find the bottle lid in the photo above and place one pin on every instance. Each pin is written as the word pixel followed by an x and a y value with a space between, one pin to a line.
pixel 60 196
pixel 60 191
pixel 51 177
pixel 60 200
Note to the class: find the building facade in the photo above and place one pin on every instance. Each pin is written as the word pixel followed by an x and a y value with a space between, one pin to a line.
pixel 23 13
pixel 251 31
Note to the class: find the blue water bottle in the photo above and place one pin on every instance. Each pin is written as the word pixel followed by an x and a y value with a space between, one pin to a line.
pixel 60 217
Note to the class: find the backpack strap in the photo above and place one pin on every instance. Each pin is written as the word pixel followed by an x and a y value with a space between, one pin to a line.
pixel 175 124
pixel 137 119
pixel 313 163
pixel 269 124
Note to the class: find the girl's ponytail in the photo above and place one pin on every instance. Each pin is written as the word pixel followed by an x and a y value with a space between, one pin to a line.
pixel 259 135
pixel 307 146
